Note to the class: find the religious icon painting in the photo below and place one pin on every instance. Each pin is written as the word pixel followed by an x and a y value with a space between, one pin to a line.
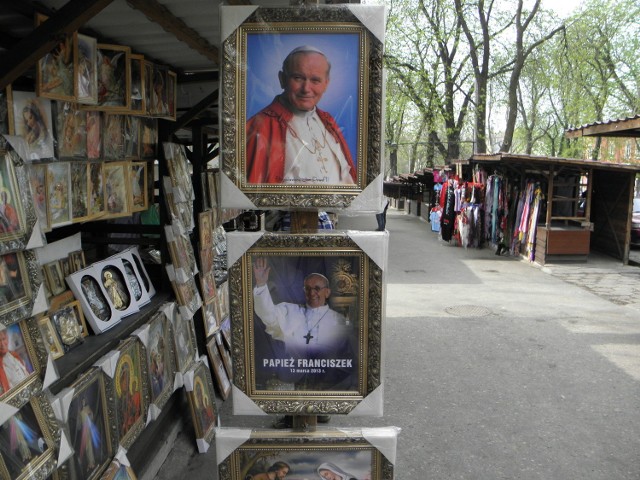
pixel 138 106
pixel 159 93
pixel 348 453
pixel 334 155
pixel 20 280
pixel 38 184
pixel 308 331
pixel 148 137
pixel 71 130
pixel 79 191
pixel 50 337
pixel 115 283
pixel 199 387
pixel 219 372
pixel 58 188
pixel 94 135
pixel 20 363
pixel 138 186
pixel 116 181
pixel 184 342
pixel 91 434
pixel 77 312
pixel 86 69
pixel 33 122
pixel 54 277
pixel 113 136
pixel 205 226
pixel 210 316
pixel 114 78
pixel 77 260
pixel 6 115
pixel 56 70
pixel 28 441
pixel 131 137
pixel 160 360
pixel 132 391
pixel 97 191
pixel 225 355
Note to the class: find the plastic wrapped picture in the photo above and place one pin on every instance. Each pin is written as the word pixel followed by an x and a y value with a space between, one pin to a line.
pixel 148 137
pixel 86 70
pixel 94 135
pixel 115 286
pixel 68 326
pixel 138 189
pixel 219 372
pixel 20 280
pixel 12 216
pixel 113 136
pixel 184 342
pixel 71 130
pixel 137 106
pixel 50 337
pixel 56 70
pixel 38 184
pixel 116 182
pixel 328 157
pixel 131 137
pixel 33 122
pixel 79 191
pixel 95 298
pixel 58 184
pixel 199 388
pixel 97 193
pixel 113 77
pixel 160 360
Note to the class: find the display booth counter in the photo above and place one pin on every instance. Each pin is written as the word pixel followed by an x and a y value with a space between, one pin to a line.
pixel 564 242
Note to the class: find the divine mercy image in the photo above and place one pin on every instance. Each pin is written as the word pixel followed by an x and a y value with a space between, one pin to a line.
pixel 306 322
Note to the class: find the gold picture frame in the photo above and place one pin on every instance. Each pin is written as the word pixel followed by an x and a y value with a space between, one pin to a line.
pixel 202 402
pixel 219 372
pixel 351 109
pixel 347 453
pixel 50 337
pixel 160 360
pixel 300 364
pixel 41 460
pixel 23 276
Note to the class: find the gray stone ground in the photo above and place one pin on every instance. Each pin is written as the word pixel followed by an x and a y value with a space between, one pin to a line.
pixel 496 368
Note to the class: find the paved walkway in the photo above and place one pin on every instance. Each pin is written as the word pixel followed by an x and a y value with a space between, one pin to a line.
pixel 495 368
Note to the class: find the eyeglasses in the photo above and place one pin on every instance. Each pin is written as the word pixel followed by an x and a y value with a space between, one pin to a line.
pixel 313 289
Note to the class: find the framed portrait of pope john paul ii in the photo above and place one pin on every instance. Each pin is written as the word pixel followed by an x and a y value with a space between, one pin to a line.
pixel 307 335
pixel 302 104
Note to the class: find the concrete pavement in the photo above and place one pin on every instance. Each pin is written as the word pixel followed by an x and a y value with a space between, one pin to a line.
pixel 495 368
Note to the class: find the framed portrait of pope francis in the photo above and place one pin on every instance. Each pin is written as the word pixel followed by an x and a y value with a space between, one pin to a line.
pixel 307 334
pixel 302 106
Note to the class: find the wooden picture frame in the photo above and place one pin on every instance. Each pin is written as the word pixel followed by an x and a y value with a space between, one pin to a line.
pixel 148 137
pixel 79 192
pixel 79 314
pixel 24 277
pixel 116 182
pixel 113 147
pixel 59 191
pixel 219 372
pixel 347 453
pixel 293 360
pixel 24 364
pixel 148 78
pixel 138 186
pixel 71 130
pixel 172 95
pixel 210 316
pixel 37 419
pixel 77 260
pixel 90 429
pixel 131 137
pixel 86 50
pixel 160 360
pixel 138 104
pixel 159 93
pixel 202 402
pixel 56 71
pixel 50 337
pixel 94 135
pixel 6 111
pixel 97 192
pixel 114 80
pixel 351 107
pixel 132 391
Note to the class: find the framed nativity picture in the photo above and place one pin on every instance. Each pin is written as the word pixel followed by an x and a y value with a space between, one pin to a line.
pixel 302 105
pixel 345 454
pixel 307 335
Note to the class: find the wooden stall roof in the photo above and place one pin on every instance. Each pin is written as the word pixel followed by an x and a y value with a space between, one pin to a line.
pixel 534 161
pixel 625 127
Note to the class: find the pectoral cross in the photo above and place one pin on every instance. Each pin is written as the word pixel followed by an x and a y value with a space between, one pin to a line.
pixel 308 336
pixel 323 162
